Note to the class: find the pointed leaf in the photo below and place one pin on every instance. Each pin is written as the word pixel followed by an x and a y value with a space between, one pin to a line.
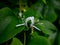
pixel 16 41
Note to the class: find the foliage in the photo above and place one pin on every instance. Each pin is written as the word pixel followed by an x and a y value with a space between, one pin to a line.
pixel 45 13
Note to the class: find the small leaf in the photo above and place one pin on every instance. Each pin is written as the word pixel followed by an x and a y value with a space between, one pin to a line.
pixel 16 41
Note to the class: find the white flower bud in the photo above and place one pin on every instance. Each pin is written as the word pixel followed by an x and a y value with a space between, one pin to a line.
pixel 20 14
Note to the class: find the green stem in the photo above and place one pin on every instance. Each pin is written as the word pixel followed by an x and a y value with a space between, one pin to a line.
pixel 24 38
pixel 32 30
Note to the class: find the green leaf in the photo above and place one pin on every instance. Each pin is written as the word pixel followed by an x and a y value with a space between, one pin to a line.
pixel 16 41
pixel 44 1
pixel 51 15
pixel 38 40
pixel 4 17
pixel 46 27
pixel 8 24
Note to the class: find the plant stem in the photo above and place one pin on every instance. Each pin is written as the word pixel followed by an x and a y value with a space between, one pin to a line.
pixel 32 30
pixel 24 38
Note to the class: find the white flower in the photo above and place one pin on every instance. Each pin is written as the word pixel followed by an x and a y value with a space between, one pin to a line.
pixel 20 14
pixel 29 19
pixel 26 21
